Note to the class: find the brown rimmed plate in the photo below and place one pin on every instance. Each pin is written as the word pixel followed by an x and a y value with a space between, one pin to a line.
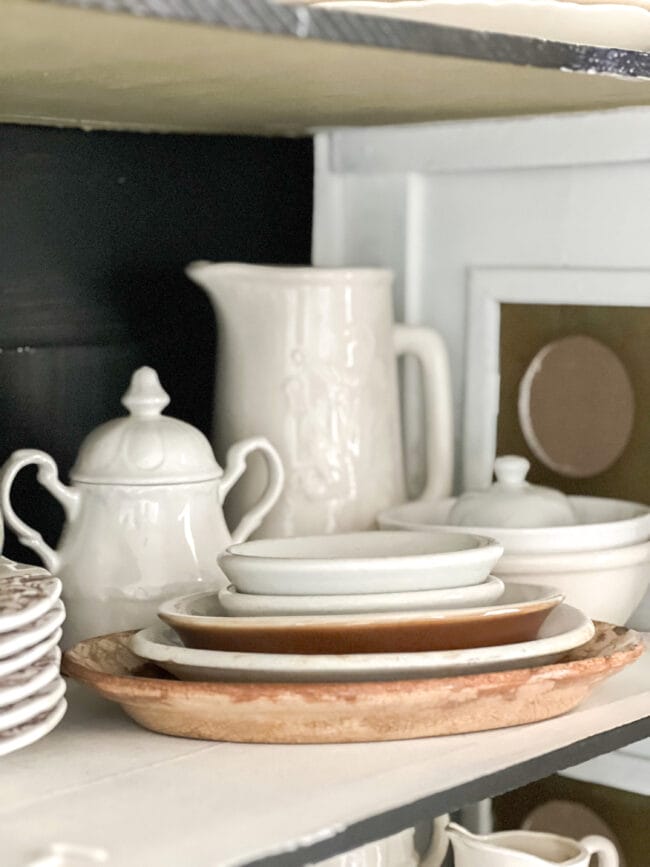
pixel 516 617
pixel 295 713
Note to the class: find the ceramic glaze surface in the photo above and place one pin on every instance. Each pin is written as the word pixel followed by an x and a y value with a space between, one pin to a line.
pixel 308 357
pixel 144 519
pixel 607 584
pixel 200 622
pixel 602 565
pixel 13 643
pixel 512 501
pixel 528 849
pixel 26 593
pixel 29 680
pixel 370 562
pixel 145 447
pixel 133 546
pixel 27 733
pixel 564 629
pixel 257 605
pixel 9 665
pixel 395 851
pixel 601 523
pixel 27 709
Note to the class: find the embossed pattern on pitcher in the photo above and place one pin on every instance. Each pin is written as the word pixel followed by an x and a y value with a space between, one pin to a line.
pixel 334 383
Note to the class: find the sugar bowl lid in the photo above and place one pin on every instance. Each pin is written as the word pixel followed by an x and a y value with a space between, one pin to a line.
pixel 145 447
pixel 511 501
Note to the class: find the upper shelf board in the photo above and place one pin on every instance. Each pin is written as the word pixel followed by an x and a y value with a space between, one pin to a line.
pixel 251 66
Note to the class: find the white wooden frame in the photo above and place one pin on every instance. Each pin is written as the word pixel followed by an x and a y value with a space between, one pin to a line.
pixel 434 201
pixel 488 289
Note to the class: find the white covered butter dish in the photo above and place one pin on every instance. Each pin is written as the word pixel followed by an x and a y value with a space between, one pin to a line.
pixel 511 501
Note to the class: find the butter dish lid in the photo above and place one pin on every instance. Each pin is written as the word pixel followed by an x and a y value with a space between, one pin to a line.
pixel 511 501
pixel 145 447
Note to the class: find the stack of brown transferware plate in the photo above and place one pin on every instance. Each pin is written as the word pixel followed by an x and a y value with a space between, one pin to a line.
pixel 32 691
pixel 419 657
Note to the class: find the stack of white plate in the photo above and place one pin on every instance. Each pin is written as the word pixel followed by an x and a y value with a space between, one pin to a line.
pixel 31 687
pixel 361 573
pixel 361 606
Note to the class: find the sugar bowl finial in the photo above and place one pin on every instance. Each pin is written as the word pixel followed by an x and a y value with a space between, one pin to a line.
pixel 145 396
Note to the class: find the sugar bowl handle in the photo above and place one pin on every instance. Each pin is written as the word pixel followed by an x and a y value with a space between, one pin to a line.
pixel 235 468
pixel 47 476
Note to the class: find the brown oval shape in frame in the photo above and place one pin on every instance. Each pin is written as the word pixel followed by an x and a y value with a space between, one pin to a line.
pixel 576 406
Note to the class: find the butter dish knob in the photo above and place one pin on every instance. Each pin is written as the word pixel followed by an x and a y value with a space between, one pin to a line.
pixel 511 470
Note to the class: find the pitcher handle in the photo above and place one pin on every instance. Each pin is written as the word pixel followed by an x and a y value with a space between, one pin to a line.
pixel 428 347
pixel 435 854
pixel 604 848
pixel 235 467
pixel 47 476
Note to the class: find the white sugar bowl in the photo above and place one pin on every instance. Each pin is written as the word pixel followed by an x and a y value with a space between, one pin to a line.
pixel 144 518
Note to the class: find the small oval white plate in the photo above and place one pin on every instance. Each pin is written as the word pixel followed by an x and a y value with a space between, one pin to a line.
pixel 205 608
pixel 255 605
pixel 20 639
pixel 371 562
pixel 565 629
pixel 29 708
pixel 25 682
pixel 32 731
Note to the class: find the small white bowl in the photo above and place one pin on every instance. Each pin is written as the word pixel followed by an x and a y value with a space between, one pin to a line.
pixel 254 605
pixel 371 562
pixel 603 523
pixel 607 585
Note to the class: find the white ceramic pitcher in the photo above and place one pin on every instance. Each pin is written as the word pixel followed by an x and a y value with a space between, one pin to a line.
pixel 143 514
pixel 397 850
pixel 528 849
pixel 307 356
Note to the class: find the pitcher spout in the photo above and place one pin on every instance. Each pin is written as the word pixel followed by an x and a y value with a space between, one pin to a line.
pixel 477 850
pixel 462 835
pixel 207 274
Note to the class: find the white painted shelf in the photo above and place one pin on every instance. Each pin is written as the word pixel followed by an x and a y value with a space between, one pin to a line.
pixel 149 799
pixel 256 66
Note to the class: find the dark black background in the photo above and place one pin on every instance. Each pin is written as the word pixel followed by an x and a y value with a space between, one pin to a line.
pixel 95 230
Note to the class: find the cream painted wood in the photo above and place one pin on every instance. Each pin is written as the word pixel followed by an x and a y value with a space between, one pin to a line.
pixel 624 24
pixel 62 65
pixel 148 799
